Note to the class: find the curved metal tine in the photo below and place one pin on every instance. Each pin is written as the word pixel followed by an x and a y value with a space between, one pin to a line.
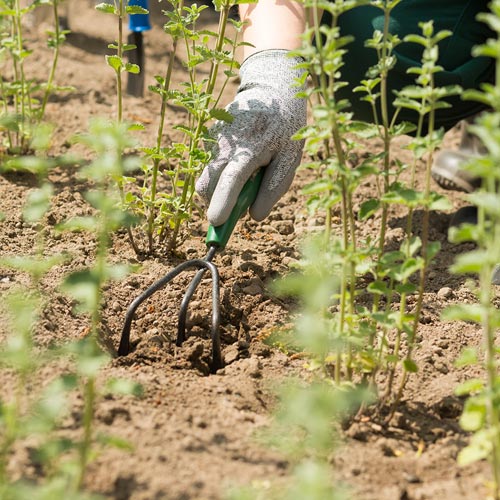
pixel 217 361
pixel 124 347
pixel 181 325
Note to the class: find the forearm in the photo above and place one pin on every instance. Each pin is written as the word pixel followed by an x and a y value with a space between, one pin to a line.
pixel 272 24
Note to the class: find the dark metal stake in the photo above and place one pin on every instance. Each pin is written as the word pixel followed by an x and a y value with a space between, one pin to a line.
pixel 137 24
pixel 135 81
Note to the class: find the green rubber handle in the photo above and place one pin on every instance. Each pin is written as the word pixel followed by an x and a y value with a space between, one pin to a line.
pixel 218 236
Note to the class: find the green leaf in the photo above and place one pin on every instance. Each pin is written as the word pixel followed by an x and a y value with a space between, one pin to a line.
pixel 406 288
pixel 124 387
pixel 84 287
pixel 410 366
pixel 117 271
pixel 84 223
pixel 106 8
pixel 38 203
pixel 474 415
pixel 115 62
pixel 114 441
pixel 439 202
pixel 470 262
pixel 128 46
pixel 467 357
pixel 368 208
pixel 33 164
pixel 464 312
pixel 136 9
pixel 433 248
pixel 468 387
pixel 134 127
pixel 403 128
pixel 471 454
pixel 132 68
pixel 464 233
pixel 409 267
pixel 490 202
pixel 378 288
pixel 36 266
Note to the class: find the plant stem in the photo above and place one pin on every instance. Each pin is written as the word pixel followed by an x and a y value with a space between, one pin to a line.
pixel 5 110
pixel 121 15
pixel 53 67
pixel 385 125
pixel 25 97
pixel 159 136
pixel 202 118
pixel 88 419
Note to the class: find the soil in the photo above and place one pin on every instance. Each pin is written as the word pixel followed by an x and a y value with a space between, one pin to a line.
pixel 192 434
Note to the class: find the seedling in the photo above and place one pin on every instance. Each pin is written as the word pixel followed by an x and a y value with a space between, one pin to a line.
pixel 120 9
pixel 165 200
pixel 481 414
pixel 23 101
pixel 365 341
pixel 108 141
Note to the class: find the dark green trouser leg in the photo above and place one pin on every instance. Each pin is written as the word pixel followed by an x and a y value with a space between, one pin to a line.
pixel 458 16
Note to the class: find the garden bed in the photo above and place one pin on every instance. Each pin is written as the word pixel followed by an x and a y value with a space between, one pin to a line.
pixel 193 434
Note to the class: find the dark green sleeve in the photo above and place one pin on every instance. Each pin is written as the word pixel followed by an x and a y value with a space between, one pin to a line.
pixel 458 16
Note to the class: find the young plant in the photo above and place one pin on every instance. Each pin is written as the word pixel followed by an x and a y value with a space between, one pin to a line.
pixel 25 412
pixel 426 98
pixel 331 147
pixel 109 142
pixel 481 414
pixel 367 341
pixel 165 201
pixel 120 9
pixel 23 100
pixel 39 415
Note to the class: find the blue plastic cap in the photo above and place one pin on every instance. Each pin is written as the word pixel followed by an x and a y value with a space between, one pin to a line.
pixel 139 22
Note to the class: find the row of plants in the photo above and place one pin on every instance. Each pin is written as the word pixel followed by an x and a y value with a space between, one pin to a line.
pixel 360 354
pixel 154 215
pixel 36 412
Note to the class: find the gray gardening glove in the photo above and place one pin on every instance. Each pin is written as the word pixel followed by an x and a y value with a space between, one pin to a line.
pixel 266 114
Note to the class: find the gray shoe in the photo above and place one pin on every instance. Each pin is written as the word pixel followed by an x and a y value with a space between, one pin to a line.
pixel 447 169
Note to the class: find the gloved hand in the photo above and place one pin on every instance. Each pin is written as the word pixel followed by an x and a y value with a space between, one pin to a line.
pixel 266 114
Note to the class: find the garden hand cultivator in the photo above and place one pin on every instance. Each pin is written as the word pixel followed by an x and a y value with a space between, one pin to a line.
pixel 216 240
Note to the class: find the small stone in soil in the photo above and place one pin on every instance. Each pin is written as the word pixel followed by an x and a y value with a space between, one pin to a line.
pixel 443 343
pixel 252 367
pixel 231 354
pixel 194 319
pixel 445 293
pixel 441 367
pixel 252 289
pixel 283 227
pixel 412 478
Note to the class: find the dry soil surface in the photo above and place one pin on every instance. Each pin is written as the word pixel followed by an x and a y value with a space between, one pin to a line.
pixel 192 434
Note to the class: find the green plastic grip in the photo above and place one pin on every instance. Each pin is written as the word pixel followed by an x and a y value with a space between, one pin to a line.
pixel 218 236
